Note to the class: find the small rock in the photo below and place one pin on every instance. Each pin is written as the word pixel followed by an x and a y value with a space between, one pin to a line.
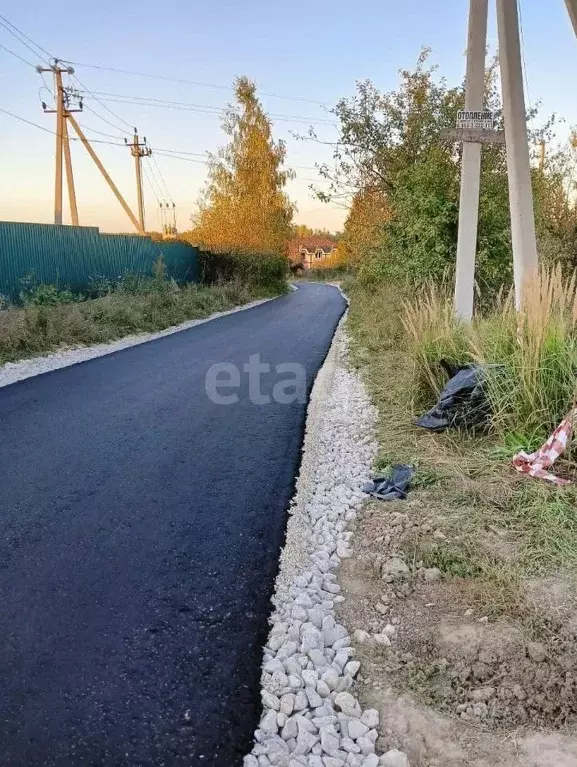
pixel 290 730
pixel 323 689
pixel 268 723
pixel 269 700
pixel 361 636
pixel 352 668
pixel 395 567
pixel 357 729
pixel 482 694
pixel 287 703
pixel 370 718
pixel 394 758
pixel 330 740
pixel 537 652
pixel 371 761
pixel 484 620
pixel 432 574
pixel 382 639
pixel 331 678
pixel 468 613
pixel 347 704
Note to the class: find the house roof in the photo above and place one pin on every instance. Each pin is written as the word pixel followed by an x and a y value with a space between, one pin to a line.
pixel 311 244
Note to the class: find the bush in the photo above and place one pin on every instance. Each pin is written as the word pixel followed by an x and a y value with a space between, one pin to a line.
pixel 264 269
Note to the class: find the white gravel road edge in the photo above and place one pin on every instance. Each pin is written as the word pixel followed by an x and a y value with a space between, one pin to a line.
pixel 11 372
pixel 309 715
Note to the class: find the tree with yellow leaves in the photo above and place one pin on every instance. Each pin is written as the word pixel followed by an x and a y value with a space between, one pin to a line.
pixel 244 205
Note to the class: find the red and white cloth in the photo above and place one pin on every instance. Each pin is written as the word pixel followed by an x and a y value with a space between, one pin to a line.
pixel 536 464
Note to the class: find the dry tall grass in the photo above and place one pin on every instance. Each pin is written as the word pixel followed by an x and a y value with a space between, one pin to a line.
pixel 535 349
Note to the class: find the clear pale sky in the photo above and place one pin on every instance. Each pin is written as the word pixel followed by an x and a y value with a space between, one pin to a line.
pixel 310 50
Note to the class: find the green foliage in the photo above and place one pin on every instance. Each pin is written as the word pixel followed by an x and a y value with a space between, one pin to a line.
pixel 392 149
pixel 263 269
pixel 39 294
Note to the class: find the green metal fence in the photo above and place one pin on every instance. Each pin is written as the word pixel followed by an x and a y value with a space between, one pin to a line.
pixel 75 256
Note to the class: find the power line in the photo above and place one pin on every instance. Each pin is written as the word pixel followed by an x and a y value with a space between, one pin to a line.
pixel 102 104
pixel 94 130
pixel 189 82
pixel 24 120
pixel 161 177
pixel 25 61
pixel 19 36
pixel 30 40
pixel 151 184
pixel 200 108
pixel 104 119
pixel 47 130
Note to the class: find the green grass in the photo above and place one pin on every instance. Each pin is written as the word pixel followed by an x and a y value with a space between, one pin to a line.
pixel 51 319
pixel 501 529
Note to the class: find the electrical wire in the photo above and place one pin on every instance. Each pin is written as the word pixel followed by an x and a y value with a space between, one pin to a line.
pixel 47 130
pixel 99 132
pixel 148 100
pixel 209 110
pixel 102 104
pixel 30 40
pixel 189 82
pixel 104 119
pixel 25 61
pixel 29 122
pixel 155 163
pixel 151 184
pixel 19 36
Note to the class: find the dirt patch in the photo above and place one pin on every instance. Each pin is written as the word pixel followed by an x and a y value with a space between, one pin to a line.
pixel 455 687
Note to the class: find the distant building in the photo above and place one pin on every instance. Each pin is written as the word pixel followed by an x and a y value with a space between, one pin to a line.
pixel 310 250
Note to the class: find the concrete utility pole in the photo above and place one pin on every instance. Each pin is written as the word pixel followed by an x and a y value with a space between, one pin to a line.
pixel 62 98
pixel 525 261
pixel 138 151
pixel 471 164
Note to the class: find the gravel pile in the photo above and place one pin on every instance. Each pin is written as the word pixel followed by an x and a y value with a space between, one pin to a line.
pixel 310 716
pixel 18 371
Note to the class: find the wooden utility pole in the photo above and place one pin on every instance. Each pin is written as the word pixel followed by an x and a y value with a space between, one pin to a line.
pixel 62 99
pixel 525 261
pixel 107 178
pixel 69 174
pixel 471 164
pixel 138 151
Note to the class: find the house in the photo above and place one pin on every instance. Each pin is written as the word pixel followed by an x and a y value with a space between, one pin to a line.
pixel 309 251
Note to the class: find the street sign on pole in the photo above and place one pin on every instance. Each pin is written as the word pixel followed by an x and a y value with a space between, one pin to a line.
pixel 468 119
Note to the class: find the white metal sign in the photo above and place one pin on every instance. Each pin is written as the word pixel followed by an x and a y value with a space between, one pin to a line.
pixel 475 120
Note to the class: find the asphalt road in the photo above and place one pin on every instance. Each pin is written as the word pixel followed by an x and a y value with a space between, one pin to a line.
pixel 140 525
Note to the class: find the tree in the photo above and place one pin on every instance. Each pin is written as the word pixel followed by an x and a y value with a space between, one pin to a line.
pixel 363 231
pixel 392 152
pixel 244 205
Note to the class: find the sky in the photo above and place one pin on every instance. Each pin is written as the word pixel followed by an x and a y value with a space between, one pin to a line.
pixel 308 53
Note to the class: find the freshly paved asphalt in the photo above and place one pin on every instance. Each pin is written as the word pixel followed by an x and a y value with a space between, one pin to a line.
pixel 140 525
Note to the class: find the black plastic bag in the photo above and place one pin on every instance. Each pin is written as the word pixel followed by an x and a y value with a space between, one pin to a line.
pixel 462 403
pixel 393 487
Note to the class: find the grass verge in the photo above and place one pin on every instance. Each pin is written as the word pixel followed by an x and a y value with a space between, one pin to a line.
pixel 480 523
pixel 51 319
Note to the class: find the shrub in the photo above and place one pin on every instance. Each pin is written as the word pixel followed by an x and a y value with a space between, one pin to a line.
pixel 264 269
